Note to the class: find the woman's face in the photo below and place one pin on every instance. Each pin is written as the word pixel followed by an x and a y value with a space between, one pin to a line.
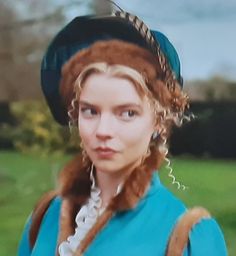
pixel 115 123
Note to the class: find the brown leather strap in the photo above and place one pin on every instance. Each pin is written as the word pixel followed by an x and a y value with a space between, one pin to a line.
pixel 181 231
pixel 38 215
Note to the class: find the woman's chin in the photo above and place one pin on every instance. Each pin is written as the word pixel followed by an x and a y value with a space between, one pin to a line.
pixel 107 167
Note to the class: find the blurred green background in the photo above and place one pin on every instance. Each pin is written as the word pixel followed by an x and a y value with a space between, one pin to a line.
pixel 24 177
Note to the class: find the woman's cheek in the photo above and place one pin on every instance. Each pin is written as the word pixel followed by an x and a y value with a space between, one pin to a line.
pixel 86 126
pixel 137 130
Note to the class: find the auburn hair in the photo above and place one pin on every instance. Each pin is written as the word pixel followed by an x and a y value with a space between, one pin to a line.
pixel 115 52
pixel 169 106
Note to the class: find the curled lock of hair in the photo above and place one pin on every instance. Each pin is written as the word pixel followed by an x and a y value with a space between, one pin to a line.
pixel 166 117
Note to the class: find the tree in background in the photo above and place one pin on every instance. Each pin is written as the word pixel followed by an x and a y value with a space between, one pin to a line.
pixel 26 28
pixel 216 88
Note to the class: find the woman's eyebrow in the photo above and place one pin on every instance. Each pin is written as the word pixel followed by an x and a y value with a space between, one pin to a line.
pixel 86 103
pixel 129 105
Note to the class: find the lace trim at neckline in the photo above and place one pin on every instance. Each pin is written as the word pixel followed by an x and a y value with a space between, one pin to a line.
pixel 85 219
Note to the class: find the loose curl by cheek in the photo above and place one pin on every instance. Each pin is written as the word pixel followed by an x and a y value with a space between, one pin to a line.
pixel 166 115
pixel 169 110
pixel 73 111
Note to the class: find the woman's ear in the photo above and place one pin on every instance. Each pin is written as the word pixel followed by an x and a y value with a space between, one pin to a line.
pixel 156 131
pixel 155 134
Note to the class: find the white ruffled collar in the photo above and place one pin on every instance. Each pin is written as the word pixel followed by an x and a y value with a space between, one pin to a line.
pixel 85 219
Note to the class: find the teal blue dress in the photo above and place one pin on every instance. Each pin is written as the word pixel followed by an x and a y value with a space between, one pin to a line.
pixel 144 230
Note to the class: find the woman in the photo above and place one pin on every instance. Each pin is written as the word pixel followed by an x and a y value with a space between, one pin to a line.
pixel 122 89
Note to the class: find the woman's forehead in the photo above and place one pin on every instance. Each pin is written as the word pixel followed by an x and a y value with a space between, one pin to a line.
pixel 106 88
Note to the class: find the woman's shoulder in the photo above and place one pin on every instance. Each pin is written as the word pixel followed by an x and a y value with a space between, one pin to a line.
pixel 196 233
pixel 48 203
pixel 206 238
pixel 163 198
pixel 45 213
pixel 203 237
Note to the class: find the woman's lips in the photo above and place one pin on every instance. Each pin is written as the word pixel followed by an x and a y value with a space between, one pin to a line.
pixel 105 152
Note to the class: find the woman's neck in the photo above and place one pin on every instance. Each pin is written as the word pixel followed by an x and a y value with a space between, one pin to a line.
pixel 108 184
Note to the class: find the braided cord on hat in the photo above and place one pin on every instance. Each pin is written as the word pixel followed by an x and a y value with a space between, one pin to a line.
pixel 170 79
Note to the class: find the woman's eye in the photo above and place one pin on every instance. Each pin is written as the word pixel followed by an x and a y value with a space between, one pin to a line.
pixel 128 114
pixel 88 112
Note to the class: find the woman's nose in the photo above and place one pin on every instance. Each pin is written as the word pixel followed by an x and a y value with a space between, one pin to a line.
pixel 104 128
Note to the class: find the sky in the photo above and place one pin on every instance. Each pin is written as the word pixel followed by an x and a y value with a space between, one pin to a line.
pixel 203 31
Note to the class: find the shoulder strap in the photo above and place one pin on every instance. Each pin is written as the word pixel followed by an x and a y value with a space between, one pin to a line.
pixel 180 234
pixel 38 214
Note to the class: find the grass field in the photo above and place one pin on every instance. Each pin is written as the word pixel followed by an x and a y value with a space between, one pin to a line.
pixel 23 178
